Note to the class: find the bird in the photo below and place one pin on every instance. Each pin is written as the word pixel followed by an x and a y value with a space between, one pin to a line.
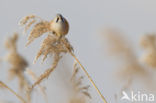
pixel 59 26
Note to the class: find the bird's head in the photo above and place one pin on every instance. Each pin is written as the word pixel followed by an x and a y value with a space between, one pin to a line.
pixel 59 18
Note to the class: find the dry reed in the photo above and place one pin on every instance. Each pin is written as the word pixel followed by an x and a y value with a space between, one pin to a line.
pixel 34 78
pixel 80 91
pixel 148 42
pixel 120 47
pixel 54 45
pixel 17 66
pixel 3 85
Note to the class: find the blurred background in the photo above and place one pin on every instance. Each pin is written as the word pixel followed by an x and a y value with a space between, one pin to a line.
pixel 88 21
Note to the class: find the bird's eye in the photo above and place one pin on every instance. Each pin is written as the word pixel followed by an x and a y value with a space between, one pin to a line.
pixel 57 19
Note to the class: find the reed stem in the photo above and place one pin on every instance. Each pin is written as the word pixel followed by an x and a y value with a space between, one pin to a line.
pixel 19 97
pixel 89 77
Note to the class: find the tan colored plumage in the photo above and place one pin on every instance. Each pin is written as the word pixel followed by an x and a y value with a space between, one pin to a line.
pixel 59 25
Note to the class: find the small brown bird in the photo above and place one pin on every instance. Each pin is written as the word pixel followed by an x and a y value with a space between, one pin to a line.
pixel 59 25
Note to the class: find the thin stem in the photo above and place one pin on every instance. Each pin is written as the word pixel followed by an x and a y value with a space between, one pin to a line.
pixel 89 77
pixel 19 97
pixel 34 77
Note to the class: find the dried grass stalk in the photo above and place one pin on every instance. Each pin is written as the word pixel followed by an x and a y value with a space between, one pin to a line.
pixel 52 46
pixel 34 77
pixel 48 71
pixel 25 20
pixel 17 65
pixel 77 82
pixel 55 44
pixel 29 25
pixel 121 48
pixel 39 29
pixel 12 91
pixel 80 92
pixel 130 67
pixel 148 42
pixel 89 77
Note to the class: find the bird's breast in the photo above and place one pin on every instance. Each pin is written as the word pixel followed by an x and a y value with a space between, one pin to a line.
pixel 60 28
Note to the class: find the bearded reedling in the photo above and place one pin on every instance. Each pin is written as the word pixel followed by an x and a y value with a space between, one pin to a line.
pixel 56 43
pixel 59 25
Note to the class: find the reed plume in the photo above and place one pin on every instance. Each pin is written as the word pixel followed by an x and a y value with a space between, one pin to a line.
pixel 80 91
pixel 120 47
pixel 148 43
pixel 3 85
pixel 17 66
pixel 55 45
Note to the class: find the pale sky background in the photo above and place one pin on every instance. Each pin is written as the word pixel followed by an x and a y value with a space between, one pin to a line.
pixel 86 18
